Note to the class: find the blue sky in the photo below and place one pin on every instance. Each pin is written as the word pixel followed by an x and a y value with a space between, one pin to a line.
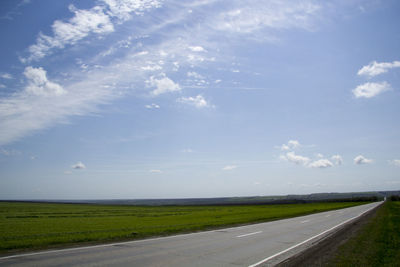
pixel 207 98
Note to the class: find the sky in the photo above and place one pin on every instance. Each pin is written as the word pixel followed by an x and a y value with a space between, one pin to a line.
pixel 137 99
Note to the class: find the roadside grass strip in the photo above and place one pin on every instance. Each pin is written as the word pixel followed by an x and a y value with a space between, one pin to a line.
pixel 377 243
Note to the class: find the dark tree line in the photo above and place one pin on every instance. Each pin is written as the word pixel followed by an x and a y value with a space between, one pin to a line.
pixel 395 198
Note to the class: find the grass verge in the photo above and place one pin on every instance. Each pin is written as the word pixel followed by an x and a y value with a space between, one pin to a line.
pixel 42 225
pixel 378 242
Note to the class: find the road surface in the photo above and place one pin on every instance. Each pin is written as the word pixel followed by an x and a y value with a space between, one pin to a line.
pixel 262 244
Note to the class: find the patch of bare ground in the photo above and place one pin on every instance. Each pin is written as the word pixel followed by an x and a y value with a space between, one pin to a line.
pixel 323 252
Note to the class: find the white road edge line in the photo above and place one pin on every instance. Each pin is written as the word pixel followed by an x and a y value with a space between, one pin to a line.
pixel 250 234
pixel 311 238
pixel 304 221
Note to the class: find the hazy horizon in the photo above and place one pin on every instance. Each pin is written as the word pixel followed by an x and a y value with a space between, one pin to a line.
pixel 136 99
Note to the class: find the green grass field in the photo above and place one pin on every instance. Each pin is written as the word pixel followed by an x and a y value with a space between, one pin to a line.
pixel 42 225
pixel 377 244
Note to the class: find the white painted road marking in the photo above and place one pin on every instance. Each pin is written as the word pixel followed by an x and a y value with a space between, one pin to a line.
pixel 304 221
pixel 250 234
pixel 311 238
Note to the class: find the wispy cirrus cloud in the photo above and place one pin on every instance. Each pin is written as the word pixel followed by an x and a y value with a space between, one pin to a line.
pixel 123 9
pixel 142 66
pixel 6 76
pixel 78 27
pixel 41 105
pixel 256 15
pixel 10 15
pixel 98 20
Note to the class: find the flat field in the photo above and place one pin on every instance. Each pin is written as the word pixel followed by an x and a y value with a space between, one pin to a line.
pixel 43 225
pixel 377 244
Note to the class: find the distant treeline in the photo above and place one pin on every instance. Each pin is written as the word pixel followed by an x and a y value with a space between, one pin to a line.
pixel 295 201
pixel 395 198
pixel 303 201
pixel 235 201
pixel 356 199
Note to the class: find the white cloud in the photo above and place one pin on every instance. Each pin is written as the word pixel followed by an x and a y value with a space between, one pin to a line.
pixel 76 28
pixel 155 171
pixel 369 90
pixel 321 163
pixel 78 166
pixel 197 48
pixel 22 114
pixel 2 85
pixel 297 159
pixel 103 81
pixel 97 20
pixel 152 68
pixel 163 85
pixel 152 106
pixel 38 84
pixel 285 147
pixel 291 144
pixel 337 159
pixel 256 15
pixel 360 159
pixel 6 76
pixel 197 101
pixel 193 74
pixel 122 9
pixel 229 167
pixel 395 162
pixel 374 68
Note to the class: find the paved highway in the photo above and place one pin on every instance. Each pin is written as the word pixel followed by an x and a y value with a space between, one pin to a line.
pixel 252 245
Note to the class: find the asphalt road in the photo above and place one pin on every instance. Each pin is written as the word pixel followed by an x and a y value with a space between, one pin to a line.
pixel 260 244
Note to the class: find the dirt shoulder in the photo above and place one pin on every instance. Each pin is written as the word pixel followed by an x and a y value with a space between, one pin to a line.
pixel 323 252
